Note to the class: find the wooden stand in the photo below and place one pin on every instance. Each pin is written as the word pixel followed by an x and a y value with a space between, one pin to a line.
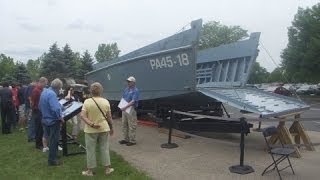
pixel 292 135
pixel 300 133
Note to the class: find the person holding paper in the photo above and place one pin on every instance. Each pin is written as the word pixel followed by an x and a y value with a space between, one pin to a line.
pixel 129 112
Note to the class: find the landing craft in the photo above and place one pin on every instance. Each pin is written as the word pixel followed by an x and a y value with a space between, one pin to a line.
pixel 172 73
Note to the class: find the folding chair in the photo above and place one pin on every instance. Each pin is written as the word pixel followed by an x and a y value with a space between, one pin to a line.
pixel 278 154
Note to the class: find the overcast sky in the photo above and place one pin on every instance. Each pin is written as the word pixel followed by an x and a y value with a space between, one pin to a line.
pixel 29 27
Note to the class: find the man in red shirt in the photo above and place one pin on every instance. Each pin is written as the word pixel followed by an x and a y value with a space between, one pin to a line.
pixel 36 114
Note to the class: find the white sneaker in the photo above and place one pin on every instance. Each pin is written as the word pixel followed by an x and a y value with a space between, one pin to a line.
pixel 109 171
pixel 59 148
pixel 45 149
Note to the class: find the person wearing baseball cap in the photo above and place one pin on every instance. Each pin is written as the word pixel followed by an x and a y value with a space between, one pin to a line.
pixel 129 118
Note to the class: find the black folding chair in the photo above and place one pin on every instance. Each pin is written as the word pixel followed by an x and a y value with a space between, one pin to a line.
pixel 278 154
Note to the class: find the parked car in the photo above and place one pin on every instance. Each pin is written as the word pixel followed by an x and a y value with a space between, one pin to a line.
pixel 283 91
pixel 279 89
pixel 306 90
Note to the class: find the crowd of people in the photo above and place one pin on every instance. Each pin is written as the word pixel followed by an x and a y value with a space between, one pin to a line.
pixel 36 107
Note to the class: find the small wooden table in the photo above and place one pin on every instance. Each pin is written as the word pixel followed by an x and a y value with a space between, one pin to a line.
pixel 292 135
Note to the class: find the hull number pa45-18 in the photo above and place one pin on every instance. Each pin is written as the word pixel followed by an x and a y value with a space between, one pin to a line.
pixel 169 61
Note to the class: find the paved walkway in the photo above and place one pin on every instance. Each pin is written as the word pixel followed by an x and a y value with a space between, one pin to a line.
pixel 203 158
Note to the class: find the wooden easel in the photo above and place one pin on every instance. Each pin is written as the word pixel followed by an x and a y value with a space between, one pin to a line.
pixel 292 135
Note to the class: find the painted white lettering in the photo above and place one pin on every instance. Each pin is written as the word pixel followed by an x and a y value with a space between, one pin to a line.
pixel 169 61
pixel 179 59
pixel 152 63
pixel 185 60
pixel 158 64
pixel 163 62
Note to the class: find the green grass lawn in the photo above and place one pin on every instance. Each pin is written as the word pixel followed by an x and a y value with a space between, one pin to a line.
pixel 21 160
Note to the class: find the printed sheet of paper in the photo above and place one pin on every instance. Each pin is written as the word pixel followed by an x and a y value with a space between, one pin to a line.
pixel 123 103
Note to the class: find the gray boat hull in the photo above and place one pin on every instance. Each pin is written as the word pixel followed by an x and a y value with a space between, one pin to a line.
pixel 162 69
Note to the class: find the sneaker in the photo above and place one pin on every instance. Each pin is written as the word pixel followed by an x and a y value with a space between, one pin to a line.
pixel 131 143
pixel 59 148
pixel 123 142
pixel 87 173
pixel 45 149
pixel 109 171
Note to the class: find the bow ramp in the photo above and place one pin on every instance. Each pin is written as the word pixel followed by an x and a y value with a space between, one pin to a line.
pixel 222 74
pixel 257 101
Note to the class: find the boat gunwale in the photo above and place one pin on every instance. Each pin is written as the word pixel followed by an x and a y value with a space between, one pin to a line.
pixel 142 56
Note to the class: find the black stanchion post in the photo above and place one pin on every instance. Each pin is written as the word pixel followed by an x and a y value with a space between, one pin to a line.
pixel 64 139
pixel 259 127
pixel 242 169
pixel 170 145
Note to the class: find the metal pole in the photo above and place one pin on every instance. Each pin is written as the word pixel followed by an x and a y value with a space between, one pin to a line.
pixel 241 148
pixel 64 139
pixel 259 128
pixel 170 127
pixel 170 145
pixel 242 169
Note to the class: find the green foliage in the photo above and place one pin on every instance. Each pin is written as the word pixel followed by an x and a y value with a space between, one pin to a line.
pixel 301 57
pixel 7 72
pixel 9 79
pixel 70 61
pixel 86 64
pixel 33 68
pixel 107 52
pixel 21 74
pixel 258 74
pixel 59 64
pixel 277 75
pixel 215 34
pixel 77 75
pixel 52 66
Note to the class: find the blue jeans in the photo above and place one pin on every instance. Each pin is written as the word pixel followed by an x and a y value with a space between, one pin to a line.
pixel 54 134
pixel 31 125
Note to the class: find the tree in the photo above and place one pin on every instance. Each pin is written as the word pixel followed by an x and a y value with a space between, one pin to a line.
pixel 86 64
pixel 69 59
pixel 258 74
pixel 52 66
pixel 78 65
pixel 301 57
pixel 277 75
pixel 21 74
pixel 7 68
pixel 215 34
pixel 107 52
pixel 33 68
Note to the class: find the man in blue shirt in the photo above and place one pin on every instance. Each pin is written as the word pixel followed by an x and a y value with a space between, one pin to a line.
pixel 129 119
pixel 51 118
